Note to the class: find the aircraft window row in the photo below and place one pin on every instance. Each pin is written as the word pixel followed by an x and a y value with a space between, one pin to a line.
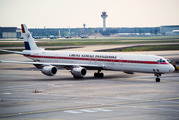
pixel 131 61
pixel 94 59
pixel 73 58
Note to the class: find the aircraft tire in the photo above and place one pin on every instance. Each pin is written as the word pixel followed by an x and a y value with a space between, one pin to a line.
pixel 157 79
pixel 98 75
pixel 77 77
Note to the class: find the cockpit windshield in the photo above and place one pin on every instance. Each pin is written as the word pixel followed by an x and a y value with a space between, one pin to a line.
pixel 161 61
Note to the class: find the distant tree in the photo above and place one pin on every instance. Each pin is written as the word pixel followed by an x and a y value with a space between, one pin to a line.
pixel 92 31
pixel 114 31
pixel 47 34
pixel 65 33
pixel 107 32
pixel 96 31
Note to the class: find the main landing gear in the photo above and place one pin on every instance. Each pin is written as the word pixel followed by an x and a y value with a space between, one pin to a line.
pixel 98 74
pixel 157 79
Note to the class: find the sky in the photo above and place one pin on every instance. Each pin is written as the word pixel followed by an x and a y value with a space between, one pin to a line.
pixel 74 13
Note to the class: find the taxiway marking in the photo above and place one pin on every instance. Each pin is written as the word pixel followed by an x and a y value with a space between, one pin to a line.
pixel 88 111
pixel 107 106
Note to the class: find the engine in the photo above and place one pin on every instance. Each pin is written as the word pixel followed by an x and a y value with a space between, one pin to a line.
pixel 78 72
pixel 49 70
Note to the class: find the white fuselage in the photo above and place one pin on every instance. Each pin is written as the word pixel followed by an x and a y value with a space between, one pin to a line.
pixel 110 61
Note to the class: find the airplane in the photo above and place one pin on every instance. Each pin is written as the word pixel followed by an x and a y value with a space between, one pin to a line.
pixel 79 62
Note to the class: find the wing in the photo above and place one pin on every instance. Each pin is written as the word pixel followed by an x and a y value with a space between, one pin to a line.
pixel 88 66
pixel 16 52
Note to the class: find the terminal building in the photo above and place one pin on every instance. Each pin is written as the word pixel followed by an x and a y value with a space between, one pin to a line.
pixel 9 32
pixel 169 30
pixel 14 32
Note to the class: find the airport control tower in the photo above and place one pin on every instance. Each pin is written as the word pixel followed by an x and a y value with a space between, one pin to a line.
pixel 104 16
pixel 84 25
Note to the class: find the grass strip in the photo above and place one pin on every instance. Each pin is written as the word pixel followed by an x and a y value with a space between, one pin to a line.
pixel 147 48
pixel 73 43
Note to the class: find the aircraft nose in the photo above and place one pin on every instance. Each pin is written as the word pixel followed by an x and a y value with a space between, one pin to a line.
pixel 171 69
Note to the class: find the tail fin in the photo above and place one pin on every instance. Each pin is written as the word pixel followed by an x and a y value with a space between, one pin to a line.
pixel 28 39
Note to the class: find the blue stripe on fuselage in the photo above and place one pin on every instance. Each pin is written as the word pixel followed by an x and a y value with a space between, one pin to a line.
pixel 27 46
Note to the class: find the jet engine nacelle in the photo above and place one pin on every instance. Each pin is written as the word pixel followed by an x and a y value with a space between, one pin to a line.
pixel 78 72
pixel 49 70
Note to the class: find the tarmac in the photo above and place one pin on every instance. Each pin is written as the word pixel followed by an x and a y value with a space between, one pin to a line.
pixel 25 93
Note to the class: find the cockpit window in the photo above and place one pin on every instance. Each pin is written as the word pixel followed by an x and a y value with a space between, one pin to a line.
pixel 161 61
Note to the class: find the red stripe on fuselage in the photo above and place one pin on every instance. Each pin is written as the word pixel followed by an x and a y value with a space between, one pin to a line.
pixel 23 30
pixel 99 59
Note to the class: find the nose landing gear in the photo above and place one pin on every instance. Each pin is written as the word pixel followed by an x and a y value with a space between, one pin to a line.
pixel 157 79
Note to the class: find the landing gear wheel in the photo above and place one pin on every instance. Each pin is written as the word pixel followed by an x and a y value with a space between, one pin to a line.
pixel 98 75
pixel 77 77
pixel 158 75
pixel 95 74
pixel 157 79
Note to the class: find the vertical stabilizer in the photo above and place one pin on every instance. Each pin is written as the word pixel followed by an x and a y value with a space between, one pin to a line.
pixel 28 39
